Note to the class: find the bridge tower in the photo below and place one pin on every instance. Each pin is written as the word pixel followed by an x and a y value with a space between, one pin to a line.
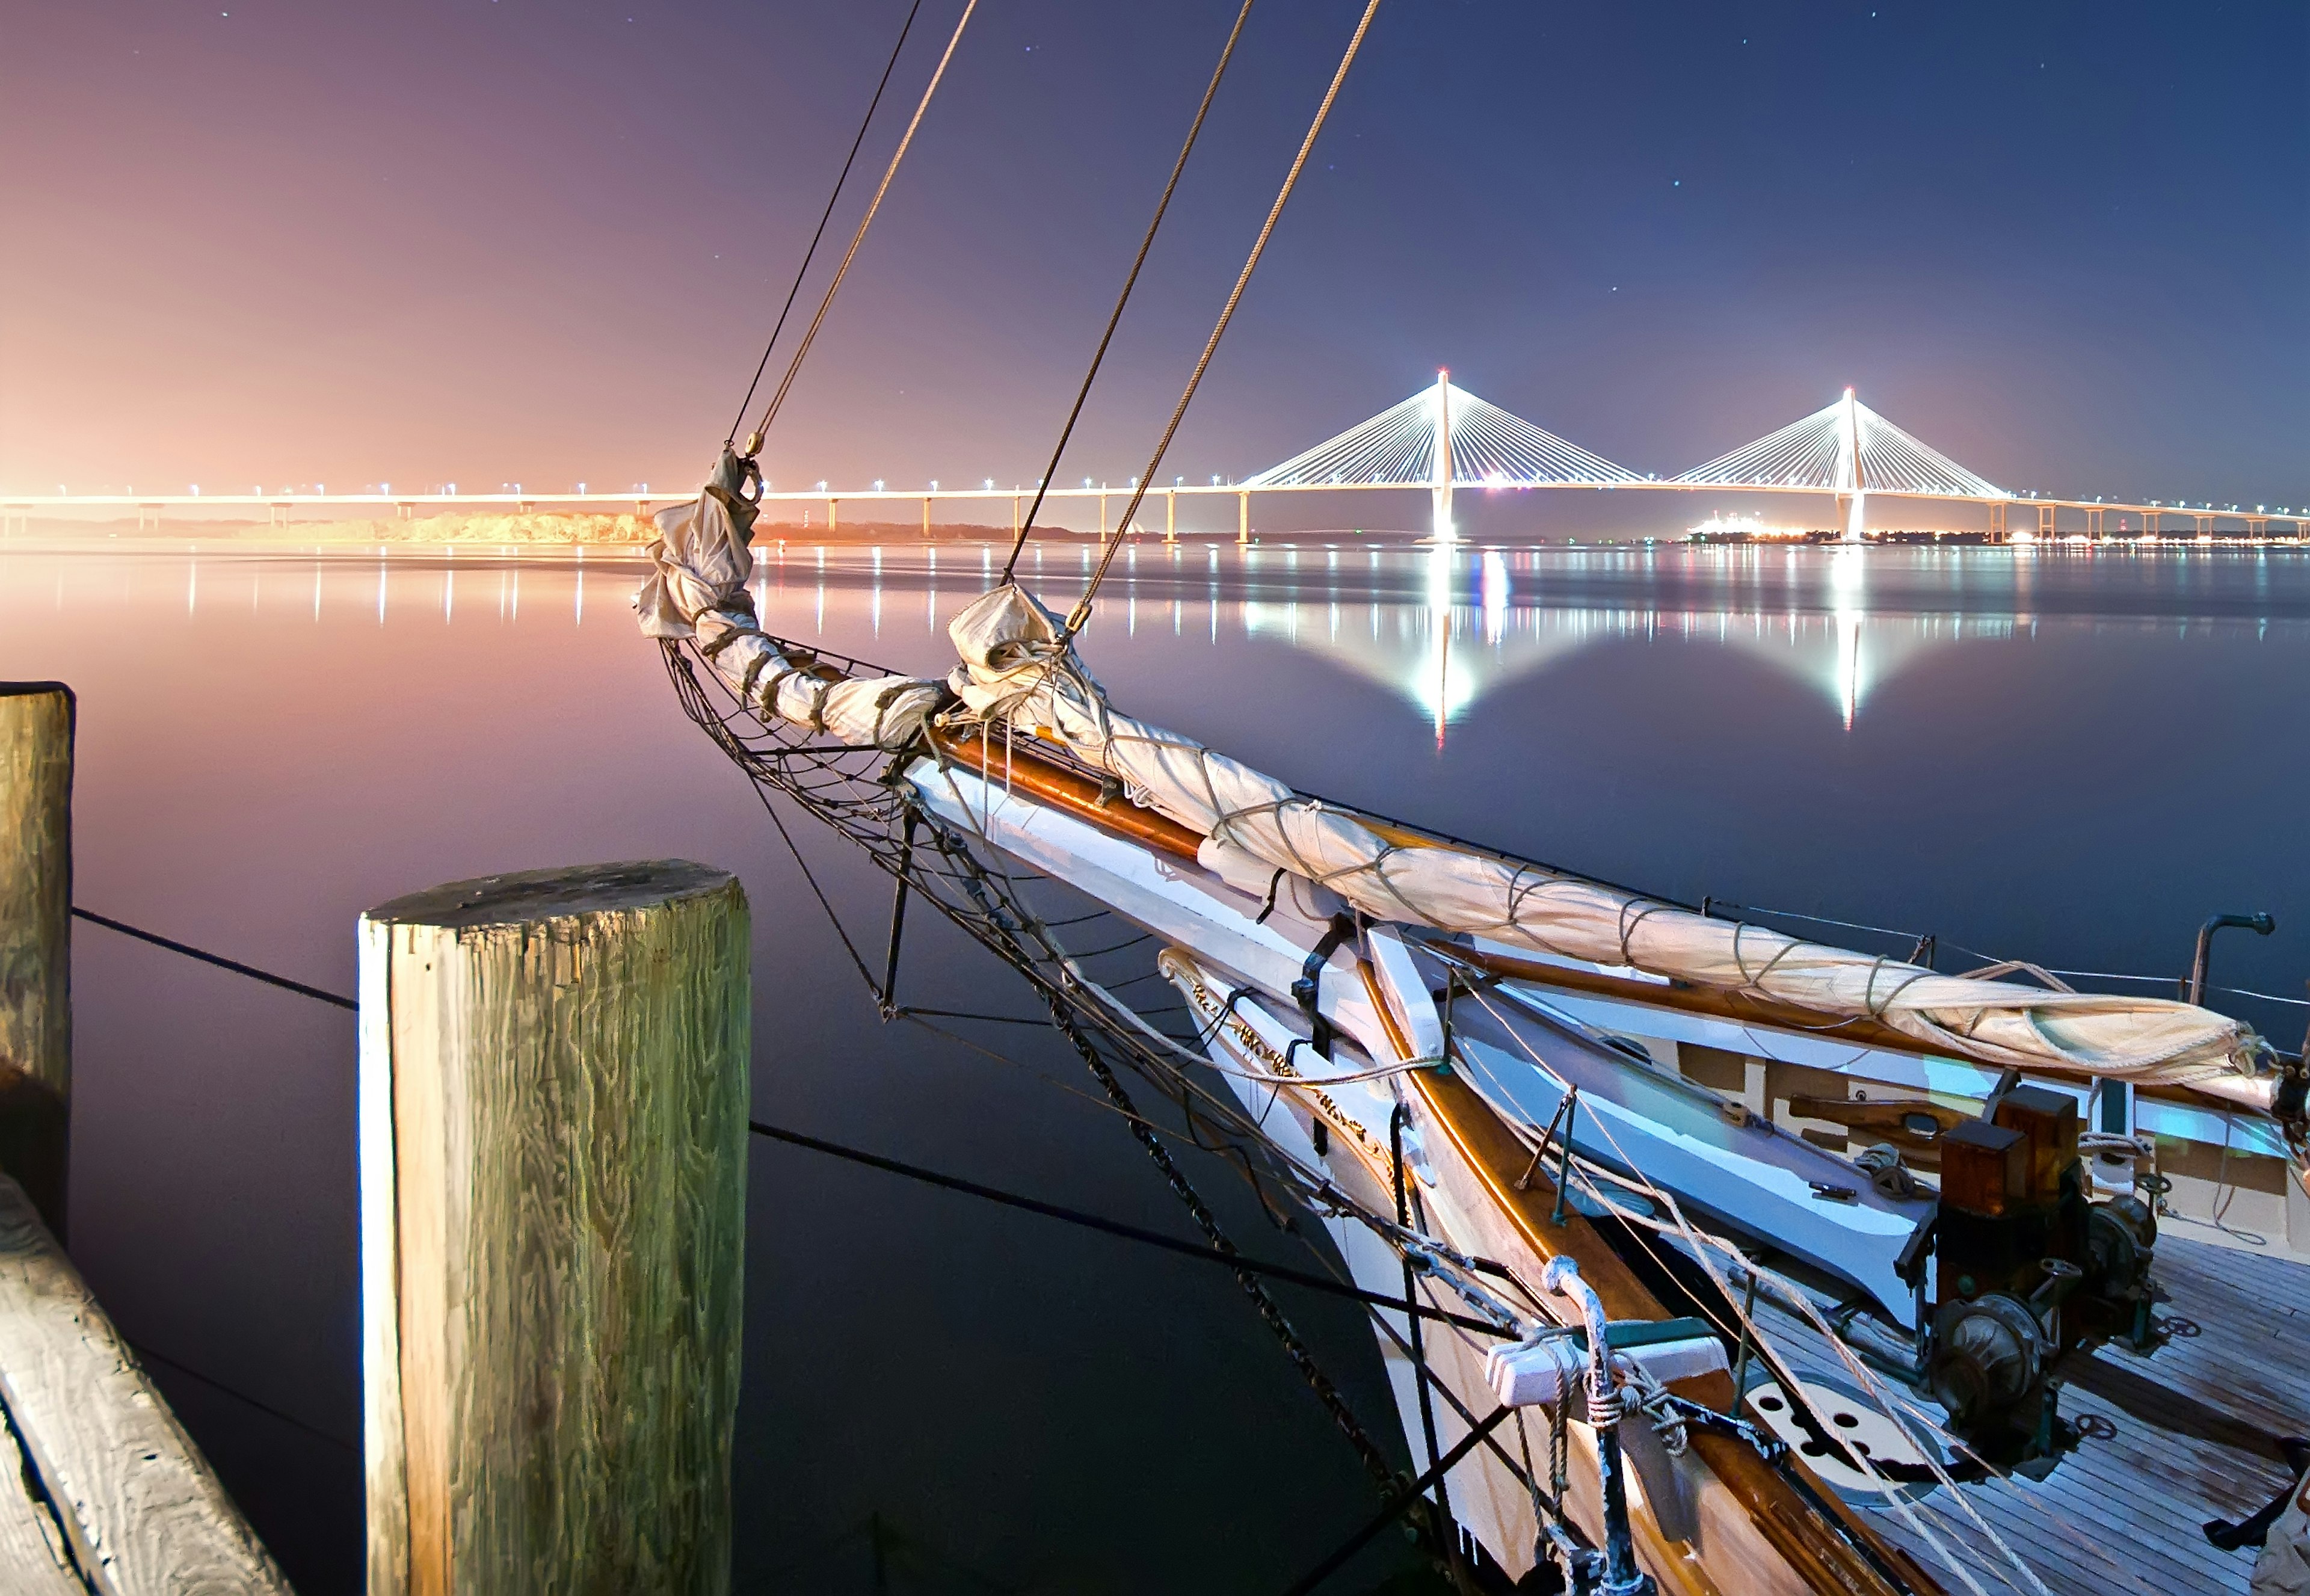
pixel 1440 458
pixel 1848 466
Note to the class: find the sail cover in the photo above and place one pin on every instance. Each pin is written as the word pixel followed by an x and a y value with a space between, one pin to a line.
pixel 1016 671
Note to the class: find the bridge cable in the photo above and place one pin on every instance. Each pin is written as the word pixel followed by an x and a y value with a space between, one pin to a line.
pixel 778 398
pixel 1042 487
pixel 824 217
pixel 1082 612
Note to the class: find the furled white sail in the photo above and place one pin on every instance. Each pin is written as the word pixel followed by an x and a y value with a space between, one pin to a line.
pixel 1017 669
pixel 696 588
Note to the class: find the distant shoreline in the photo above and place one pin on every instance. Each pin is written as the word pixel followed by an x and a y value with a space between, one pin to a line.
pixel 543 528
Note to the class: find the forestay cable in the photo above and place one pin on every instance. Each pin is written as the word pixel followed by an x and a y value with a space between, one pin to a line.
pixel 825 216
pixel 1227 313
pixel 1043 484
pixel 769 412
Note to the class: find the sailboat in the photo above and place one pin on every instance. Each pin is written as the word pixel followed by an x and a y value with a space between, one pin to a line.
pixel 1648 1328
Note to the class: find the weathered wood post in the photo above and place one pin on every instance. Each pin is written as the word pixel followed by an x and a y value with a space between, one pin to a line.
pixel 36 775
pixel 553 1098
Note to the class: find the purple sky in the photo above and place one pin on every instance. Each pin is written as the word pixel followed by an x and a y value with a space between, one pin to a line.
pixel 499 240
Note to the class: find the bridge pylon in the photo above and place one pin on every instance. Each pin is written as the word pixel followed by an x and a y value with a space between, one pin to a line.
pixel 1441 456
pixel 1848 467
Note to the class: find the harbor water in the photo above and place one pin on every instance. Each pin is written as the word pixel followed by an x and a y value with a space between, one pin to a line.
pixel 2065 755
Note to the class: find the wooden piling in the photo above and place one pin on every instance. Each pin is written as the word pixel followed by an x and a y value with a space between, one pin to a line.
pixel 36 774
pixel 554 1094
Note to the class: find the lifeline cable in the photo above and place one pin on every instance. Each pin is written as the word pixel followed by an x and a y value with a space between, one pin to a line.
pixel 1043 483
pixel 1082 612
pixel 824 217
pixel 794 366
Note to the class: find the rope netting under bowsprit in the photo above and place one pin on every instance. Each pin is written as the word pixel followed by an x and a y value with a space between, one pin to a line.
pixel 1080 958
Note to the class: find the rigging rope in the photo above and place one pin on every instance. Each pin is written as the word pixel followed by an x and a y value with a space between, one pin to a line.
pixel 770 411
pixel 1043 484
pixel 825 216
pixel 1082 612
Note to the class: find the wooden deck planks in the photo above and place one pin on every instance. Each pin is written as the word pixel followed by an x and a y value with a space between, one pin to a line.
pixel 2198 1426
pixel 141 1511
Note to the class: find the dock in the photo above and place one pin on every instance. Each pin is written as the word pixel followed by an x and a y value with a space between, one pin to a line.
pixel 102 1491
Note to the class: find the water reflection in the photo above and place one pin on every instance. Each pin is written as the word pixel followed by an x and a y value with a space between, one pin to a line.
pixel 1440 628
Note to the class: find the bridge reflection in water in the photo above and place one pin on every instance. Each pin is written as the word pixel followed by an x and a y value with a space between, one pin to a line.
pixel 1440 626
pixel 1444 627
pixel 1446 653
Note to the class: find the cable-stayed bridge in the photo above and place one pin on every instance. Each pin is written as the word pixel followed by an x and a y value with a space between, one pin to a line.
pixel 1440 440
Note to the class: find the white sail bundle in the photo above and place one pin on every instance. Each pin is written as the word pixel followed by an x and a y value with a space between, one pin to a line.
pixel 697 589
pixel 1017 668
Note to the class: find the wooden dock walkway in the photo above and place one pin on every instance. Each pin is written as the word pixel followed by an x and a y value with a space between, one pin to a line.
pixel 101 1492
pixel 2197 1427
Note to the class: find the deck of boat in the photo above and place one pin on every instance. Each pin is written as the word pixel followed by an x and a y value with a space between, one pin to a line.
pixel 2197 1427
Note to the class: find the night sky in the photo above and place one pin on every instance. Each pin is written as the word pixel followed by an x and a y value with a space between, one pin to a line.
pixel 499 240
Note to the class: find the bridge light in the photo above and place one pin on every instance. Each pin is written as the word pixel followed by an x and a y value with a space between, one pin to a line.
pixel 934 484
pixel 990 484
pixel 821 484
pixel 878 484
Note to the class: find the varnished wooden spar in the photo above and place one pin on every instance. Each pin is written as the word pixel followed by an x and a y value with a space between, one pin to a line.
pixel 1516 1187
pixel 1016 763
pixel 1825 1559
pixel 36 775
pixel 554 1090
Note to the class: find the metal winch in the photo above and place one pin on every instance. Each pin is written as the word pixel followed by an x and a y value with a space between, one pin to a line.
pixel 2026 1267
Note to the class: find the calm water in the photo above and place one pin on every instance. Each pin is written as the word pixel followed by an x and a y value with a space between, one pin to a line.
pixel 2068 757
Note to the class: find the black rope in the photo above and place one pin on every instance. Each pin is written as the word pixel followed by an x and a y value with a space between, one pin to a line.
pixel 802 270
pixel 267 1408
pixel 218 960
pixel 1117 1227
pixel 1081 612
pixel 1051 471
pixel 826 301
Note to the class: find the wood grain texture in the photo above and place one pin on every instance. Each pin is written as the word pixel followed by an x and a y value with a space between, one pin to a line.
pixel 33 1561
pixel 139 1509
pixel 36 771
pixel 553 1142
